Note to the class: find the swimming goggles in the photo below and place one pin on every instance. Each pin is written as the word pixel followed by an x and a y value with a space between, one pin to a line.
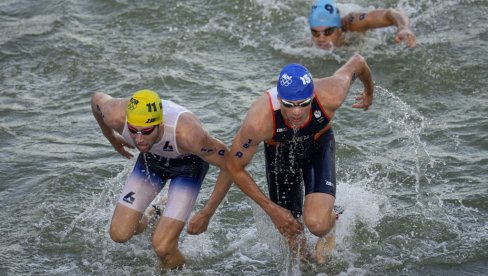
pixel 144 131
pixel 304 103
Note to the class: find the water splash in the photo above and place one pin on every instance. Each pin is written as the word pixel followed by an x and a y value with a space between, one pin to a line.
pixel 403 119
pixel 104 201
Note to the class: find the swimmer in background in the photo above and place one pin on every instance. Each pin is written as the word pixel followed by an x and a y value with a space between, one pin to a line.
pixel 327 26
pixel 173 146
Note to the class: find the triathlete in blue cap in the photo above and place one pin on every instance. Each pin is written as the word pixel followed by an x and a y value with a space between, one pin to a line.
pixel 327 25
pixel 293 119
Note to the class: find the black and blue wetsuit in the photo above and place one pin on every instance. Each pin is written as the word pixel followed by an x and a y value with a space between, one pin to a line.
pixel 306 153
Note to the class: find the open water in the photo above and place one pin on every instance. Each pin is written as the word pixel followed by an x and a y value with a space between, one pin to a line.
pixel 412 171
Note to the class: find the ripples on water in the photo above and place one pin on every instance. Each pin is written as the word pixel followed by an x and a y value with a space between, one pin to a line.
pixel 411 171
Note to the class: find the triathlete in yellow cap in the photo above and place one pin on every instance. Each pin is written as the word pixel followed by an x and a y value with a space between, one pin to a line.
pixel 173 146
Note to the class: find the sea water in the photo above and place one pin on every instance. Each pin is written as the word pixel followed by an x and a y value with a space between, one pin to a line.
pixel 411 171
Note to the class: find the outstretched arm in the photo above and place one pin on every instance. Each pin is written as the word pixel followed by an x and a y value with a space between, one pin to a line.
pixel 361 22
pixel 365 99
pixel 110 116
pixel 404 33
pixel 199 222
pixel 193 138
pixel 334 90
pixel 253 131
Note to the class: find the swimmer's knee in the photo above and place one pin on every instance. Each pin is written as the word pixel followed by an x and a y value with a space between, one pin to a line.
pixel 318 227
pixel 125 223
pixel 319 230
pixel 119 234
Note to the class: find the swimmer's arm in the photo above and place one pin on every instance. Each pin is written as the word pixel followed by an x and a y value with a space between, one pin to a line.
pixel 361 22
pixel 193 138
pixel 215 152
pixel 199 222
pixel 110 116
pixel 241 153
pixel 334 90
pixel 257 127
pixel 402 22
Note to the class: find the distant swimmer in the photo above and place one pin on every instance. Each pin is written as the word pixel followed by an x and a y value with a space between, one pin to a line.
pixel 327 26
pixel 294 119
pixel 173 146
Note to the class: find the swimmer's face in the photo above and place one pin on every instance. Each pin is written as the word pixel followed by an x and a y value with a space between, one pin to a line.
pixel 144 137
pixel 296 112
pixel 325 37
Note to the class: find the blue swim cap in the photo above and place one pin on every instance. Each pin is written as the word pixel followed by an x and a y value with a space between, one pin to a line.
pixel 324 13
pixel 295 83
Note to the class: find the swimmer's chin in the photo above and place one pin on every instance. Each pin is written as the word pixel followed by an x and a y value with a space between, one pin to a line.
pixel 143 149
pixel 325 45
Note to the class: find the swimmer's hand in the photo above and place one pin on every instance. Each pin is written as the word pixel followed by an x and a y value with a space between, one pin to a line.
pixel 284 221
pixel 406 36
pixel 364 100
pixel 119 145
pixel 198 223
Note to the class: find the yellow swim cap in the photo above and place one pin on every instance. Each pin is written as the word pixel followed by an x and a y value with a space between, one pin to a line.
pixel 145 109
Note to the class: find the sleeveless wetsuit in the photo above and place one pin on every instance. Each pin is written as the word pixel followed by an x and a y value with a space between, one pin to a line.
pixel 306 153
pixel 163 162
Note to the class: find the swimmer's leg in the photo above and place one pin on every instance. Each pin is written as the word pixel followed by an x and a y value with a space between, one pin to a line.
pixel 182 195
pixel 319 218
pixel 298 245
pixel 325 245
pixel 139 191
pixel 165 242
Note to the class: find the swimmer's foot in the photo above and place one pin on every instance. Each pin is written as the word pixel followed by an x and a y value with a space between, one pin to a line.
pixel 324 247
pixel 326 244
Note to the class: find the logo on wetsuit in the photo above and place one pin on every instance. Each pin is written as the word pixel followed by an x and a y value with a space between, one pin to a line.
pixel 167 147
pixel 129 198
pixel 281 129
pixel 328 183
pixel 318 115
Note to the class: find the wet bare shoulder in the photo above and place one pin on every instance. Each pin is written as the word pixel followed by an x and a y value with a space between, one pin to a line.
pixel 111 109
pixel 190 134
pixel 259 119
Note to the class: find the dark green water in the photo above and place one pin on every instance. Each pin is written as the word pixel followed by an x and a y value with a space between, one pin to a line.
pixel 412 171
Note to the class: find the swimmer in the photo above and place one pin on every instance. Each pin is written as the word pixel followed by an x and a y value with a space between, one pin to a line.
pixel 173 146
pixel 327 27
pixel 293 120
